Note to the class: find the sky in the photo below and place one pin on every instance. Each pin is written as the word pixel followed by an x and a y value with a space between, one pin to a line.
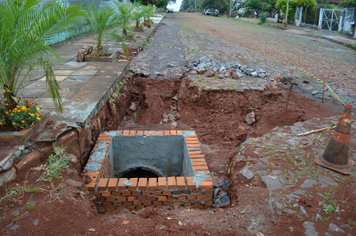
pixel 176 5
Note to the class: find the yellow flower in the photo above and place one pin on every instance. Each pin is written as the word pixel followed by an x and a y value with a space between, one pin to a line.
pixel 6 112
pixel 37 108
pixel 31 114
pixel 14 124
pixel 38 118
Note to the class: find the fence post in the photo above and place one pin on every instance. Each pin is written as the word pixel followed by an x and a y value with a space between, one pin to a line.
pixel 321 18
pixel 341 22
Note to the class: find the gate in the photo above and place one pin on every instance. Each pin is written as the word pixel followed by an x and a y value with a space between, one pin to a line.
pixel 336 19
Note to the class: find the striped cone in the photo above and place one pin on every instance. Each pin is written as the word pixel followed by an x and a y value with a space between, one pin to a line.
pixel 336 155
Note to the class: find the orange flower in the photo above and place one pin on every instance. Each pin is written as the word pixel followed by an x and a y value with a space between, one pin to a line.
pixel 14 123
pixel 22 122
pixel 30 104
pixel 36 104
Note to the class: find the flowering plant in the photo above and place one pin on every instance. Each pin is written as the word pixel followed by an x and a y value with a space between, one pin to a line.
pixel 129 35
pixel 21 117
pixel 99 53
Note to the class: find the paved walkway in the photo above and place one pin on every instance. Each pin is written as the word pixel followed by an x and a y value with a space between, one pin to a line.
pixel 85 86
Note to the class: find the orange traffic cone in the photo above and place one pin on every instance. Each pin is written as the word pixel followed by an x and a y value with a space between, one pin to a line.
pixel 336 155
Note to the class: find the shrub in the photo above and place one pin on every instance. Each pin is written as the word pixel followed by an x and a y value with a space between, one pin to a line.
pixel 263 18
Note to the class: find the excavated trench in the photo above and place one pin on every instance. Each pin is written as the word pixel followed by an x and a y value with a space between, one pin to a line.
pixel 217 117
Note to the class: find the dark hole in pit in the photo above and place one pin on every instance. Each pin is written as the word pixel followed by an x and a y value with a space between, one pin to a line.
pixel 139 173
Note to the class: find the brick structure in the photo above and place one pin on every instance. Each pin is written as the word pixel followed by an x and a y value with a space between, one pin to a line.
pixel 111 194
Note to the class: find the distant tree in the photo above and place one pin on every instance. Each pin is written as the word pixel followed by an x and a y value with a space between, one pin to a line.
pixel 282 4
pixel 253 5
pixel 347 3
pixel 221 5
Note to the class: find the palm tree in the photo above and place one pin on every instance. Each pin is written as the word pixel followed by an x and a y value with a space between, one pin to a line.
pixel 25 27
pixel 124 16
pixel 100 22
pixel 136 16
pixel 148 11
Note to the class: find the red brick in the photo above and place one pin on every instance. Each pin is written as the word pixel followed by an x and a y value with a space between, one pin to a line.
pixel 171 183
pixel 207 192
pixel 91 186
pixel 173 132
pixel 110 209
pixel 134 184
pixel 132 132
pixel 190 183
pixel 116 194
pixel 121 199
pixel 166 132
pixel 170 198
pixel 196 203
pixel 131 208
pixel 187 204
pixel 151 198
pixel 112 184
pixel 139 133
pixel 160 133
pixel 142 184
pixel 194 152
pixel 198 207
pixel 162 183
pixel 130 199
pixel 126 193
pixel 146 133
pixel 207 207
pixel 197 191
pixel 167 203
pixel 7 137
pixel 208 202
pixel 182 198
pixel 156 193
pixel 177 203
pixel 106 194
pixel 141 198
pixel 117 204
pixel 179 132
pixel 207 184
pixel 127 203
pixel 134 193
pixel 120 185
pixel 107 204
pixel 146 193
pixel 103 183
pixel 137 203
pixel 157 203
pixel 202 197
pixel 191 198
pixel 126 132
pixel 162 198
pixel 152 183
pixel 180 182
pixel 167 193
pixel 121 132
pixel 96 194
pixel 101 210
pixel 23 134
pixel 147 203
pixel 154 133
pixel 110 199
pixel 139 208
pixel 120 208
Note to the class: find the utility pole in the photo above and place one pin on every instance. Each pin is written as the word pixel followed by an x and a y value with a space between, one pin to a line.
pixel 230 9
pixel 286 21
pixel 195 5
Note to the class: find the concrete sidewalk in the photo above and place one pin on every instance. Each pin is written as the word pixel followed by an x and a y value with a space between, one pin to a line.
pixel 85 86
pixel 333 36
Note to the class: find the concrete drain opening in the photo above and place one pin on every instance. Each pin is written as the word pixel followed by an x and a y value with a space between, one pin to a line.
pixel 134 169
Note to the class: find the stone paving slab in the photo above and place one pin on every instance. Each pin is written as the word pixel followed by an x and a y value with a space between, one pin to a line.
pixel 85 86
